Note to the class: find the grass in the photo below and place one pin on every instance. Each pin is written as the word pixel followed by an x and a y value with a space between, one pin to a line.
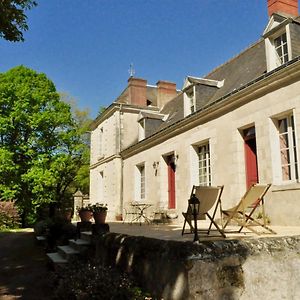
pixel 5 230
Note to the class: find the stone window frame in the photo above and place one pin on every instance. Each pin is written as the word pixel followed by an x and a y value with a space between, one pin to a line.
pixel 286 155
pixel 288 148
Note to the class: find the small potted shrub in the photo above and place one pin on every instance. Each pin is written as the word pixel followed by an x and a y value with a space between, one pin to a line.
pixel 99 212
pixel 85 213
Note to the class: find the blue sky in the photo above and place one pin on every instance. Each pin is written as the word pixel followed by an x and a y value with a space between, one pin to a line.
pixel 86 47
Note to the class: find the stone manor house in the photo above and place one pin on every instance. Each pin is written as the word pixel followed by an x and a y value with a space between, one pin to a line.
pixel 237 125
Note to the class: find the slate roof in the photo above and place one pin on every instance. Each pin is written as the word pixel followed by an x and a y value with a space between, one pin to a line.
pixel 245 67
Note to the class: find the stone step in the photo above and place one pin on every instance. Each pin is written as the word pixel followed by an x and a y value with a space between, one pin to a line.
pixel 67 251
pixel 40 240
pixel 56 259
pixel 79 244
pixel 86 235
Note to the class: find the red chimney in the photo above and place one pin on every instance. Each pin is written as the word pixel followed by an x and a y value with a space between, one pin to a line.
pixel 137 88
pixel 165 92
pixel 288 7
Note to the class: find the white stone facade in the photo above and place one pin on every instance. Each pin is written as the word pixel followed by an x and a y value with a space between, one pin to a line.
pixel 130 163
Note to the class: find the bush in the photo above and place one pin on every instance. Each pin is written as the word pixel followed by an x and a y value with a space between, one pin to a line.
pixel 9 215
pixel 90 280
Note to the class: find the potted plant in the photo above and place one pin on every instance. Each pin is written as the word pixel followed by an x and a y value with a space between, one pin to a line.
pixel 99 212
pixel 85 213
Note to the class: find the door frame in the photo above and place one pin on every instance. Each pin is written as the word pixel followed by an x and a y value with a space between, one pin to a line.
pixel 170 160
pixel 250 154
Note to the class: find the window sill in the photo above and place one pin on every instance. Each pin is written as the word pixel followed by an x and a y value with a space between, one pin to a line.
pixel 286 186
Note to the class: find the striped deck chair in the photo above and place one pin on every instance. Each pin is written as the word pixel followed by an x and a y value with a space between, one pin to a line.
pixel 208 197
pixel 243 212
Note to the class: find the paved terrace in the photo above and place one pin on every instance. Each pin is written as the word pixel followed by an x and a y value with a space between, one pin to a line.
pixel 173 231
pixel 242 266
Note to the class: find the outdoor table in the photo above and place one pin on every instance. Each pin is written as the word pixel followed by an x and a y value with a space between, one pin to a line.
pixel 141 212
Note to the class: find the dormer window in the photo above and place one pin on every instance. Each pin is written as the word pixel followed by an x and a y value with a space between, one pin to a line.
pixel 281 35
pixel 191 87
pixel 278 48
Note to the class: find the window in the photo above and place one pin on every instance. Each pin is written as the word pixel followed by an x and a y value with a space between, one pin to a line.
pixel 101 143
pixel 189 102
pixel 281 48
pixel 140 182
pixel 278 48
pixel 204 165
pixel 101 186
pixel 288 150
pixel 192 103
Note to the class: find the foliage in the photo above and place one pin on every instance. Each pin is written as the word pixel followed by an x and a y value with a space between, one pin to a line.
pixel 101 110
pixel 84 208
pixel 41 144
pixel 13 18
pixel 98 207
pixel 96 282
pixel 9 215
pixel 82 118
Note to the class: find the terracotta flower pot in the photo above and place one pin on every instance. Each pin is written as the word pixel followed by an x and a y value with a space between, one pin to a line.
pixel 100 217
pixel 85 215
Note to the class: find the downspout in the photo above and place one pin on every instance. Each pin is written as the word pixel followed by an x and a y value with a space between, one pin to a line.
pixel 122 163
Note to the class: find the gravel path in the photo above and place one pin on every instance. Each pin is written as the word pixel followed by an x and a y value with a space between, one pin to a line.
pixel 23 269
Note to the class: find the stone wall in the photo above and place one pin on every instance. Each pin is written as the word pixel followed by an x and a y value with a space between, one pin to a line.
pixel 266 268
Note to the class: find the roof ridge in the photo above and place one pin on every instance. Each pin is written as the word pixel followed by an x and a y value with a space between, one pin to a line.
pixel 233 58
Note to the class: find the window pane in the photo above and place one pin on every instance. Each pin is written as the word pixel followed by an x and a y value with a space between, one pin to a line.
pixel 204 165
pixel 282 125
pixel 277 42
pixel 284 143
pixel 283 38
pixel 285 159
pixel 286 173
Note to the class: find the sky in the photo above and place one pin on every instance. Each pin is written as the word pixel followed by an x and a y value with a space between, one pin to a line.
pixel 86 47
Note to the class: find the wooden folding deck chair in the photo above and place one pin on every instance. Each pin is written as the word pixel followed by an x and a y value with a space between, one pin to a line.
pixel 208 197
pixel 243 212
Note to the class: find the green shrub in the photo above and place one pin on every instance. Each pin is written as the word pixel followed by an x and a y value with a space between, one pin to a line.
pixel 9 215
pixel 90 280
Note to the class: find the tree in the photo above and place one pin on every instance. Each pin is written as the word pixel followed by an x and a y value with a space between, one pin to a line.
pixel 13 19
pixel 41 144
pixel 83 121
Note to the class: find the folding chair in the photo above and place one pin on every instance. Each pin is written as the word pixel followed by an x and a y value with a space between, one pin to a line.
pixel 242 213
pixel 208 197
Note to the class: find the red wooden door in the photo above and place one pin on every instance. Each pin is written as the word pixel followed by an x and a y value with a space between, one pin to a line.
pixel 171 181
pixel 251 160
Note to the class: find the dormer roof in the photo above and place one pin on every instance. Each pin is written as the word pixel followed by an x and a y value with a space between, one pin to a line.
pixel 276 22
pixel 191 80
